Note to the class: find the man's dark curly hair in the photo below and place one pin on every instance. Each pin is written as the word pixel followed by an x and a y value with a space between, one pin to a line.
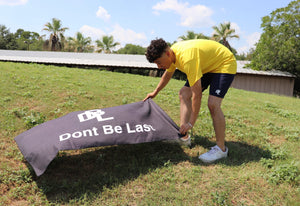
pixel 156 49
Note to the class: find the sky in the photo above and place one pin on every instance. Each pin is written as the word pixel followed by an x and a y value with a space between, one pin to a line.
pixel 138 22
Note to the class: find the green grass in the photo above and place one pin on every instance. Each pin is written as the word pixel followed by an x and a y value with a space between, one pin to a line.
pixel 263 135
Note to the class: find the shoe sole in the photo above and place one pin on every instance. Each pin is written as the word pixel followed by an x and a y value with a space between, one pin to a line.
pixel 180 142
pixel 209 162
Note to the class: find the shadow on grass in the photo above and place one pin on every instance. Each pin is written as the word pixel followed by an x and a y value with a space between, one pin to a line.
pixel 71 177
pixel 239 152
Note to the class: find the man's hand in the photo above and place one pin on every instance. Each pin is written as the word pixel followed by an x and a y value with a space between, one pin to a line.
pixel 185 128
pixel 150 95
pixel 162 83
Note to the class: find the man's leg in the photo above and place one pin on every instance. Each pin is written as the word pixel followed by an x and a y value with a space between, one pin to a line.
pixel 219 151
pixel 214 105
pixel 185 95
pixel 218 88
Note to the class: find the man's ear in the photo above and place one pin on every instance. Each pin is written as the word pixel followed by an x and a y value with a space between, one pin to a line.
pixel 168 53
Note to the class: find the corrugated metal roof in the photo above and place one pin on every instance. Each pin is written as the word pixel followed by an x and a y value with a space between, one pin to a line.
pixel 241 69
pixel 72 58
pixel 104 60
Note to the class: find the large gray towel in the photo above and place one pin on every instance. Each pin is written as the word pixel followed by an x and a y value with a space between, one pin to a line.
pixel 126 124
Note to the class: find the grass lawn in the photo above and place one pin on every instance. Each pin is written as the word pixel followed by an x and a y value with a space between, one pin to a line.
pixel 263 137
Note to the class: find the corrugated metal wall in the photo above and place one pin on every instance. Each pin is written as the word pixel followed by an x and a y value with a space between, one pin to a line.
pixel 263 83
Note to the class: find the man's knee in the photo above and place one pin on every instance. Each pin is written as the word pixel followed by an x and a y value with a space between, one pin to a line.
pixel 214 103
pixel 211 106
pixel 185 93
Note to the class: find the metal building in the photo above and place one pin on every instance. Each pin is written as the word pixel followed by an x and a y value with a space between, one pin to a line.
pixel 274 82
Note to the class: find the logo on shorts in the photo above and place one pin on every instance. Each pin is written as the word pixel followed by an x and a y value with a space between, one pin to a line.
pixel 92 114
pixel 218 92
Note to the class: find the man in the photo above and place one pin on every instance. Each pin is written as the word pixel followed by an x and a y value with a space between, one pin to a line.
pixel 206 63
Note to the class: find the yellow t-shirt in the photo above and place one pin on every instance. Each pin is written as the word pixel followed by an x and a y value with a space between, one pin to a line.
pixel 197 57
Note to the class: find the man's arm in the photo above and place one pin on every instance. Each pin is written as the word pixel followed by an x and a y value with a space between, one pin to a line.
pixel 196 104
pixel 163 82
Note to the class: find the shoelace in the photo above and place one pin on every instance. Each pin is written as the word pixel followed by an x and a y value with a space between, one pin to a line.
pixel 213 150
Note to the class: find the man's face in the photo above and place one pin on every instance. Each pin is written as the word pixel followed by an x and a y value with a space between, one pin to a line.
pixel 164 62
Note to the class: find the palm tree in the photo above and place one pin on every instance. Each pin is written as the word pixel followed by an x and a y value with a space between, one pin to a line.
pixel 224 32
pixel 106 44
pixel 80 44
pixel 57 31
pixel 192 35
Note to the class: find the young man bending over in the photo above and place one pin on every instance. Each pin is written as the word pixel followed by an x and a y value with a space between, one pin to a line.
pixel 205 63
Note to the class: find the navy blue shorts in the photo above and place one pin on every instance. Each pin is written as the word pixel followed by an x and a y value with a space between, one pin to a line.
pixel 219 83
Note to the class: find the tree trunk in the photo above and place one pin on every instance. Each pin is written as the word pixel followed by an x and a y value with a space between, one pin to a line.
pixel 53 43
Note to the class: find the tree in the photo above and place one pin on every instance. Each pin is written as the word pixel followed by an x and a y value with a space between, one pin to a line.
pixel 7 39
pixel 28 40
pixel 106 44
pixel 223 33
pixel 132 49
pixel 279 44
pixel 80 44
pixel 57 34
pixel 192 35
pixel 245 56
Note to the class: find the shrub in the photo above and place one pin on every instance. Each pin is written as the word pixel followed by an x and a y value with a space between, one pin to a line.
pixel 285 173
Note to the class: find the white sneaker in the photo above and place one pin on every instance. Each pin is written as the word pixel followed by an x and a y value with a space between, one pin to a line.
pixel 181 141
pixel 185 142
pixel 215 153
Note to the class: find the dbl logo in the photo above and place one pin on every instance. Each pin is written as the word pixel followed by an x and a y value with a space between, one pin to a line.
pixel 92 114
